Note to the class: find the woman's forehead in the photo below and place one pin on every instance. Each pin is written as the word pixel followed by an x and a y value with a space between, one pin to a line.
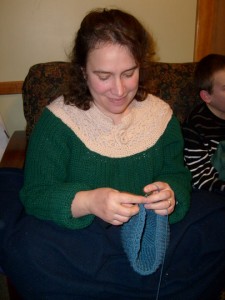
pixel 111 54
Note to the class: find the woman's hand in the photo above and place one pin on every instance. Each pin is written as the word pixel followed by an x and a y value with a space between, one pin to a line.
pixel 160 197
pixel 116 207
pixel 110 205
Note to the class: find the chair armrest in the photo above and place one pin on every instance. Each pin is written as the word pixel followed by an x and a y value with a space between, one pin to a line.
pixel 14 155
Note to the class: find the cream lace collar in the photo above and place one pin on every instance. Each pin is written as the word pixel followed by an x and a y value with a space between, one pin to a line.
pixel 138 131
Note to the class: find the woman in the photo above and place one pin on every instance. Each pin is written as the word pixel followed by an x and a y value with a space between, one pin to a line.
pixel 104 168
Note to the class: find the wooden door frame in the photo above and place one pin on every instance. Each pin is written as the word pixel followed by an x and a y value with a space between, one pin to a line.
pixel 204 30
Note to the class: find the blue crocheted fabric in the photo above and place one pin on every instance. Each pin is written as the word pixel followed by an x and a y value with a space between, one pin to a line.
pixel 145 238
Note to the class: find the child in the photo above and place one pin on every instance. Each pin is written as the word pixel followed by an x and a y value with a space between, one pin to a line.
pixel 204 129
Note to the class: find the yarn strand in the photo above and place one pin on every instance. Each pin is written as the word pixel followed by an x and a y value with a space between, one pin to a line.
pixel 162 267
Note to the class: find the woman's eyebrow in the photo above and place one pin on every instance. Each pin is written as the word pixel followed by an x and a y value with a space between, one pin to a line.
pixel 101 72
pixel 107 72
pixel 131 69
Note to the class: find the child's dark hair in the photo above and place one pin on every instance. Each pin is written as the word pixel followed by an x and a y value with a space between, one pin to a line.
pixel 206 69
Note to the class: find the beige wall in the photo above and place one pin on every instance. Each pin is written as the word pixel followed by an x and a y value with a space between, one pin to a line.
pixel 33 31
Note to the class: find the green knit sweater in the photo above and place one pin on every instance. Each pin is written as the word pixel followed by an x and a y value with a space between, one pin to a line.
pixel 63 158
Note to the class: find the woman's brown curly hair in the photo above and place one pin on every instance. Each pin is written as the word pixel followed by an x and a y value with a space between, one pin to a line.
pixel 108 26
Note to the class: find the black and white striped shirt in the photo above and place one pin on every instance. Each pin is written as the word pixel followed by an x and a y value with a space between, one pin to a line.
pixel 202 132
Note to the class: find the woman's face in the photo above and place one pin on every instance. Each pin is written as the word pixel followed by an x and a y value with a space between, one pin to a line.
pixel 112 78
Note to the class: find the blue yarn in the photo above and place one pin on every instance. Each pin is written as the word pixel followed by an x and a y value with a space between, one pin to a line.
pixel 143 239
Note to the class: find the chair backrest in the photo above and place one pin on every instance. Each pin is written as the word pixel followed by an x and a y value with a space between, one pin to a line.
pixel 43 83
pixel 173 82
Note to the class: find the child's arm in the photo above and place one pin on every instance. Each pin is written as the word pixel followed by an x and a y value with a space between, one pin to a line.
pixel 197 155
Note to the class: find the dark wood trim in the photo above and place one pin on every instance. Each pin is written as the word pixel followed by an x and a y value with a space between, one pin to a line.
pixel 205 19
pixel 14 155
pixel 210 29
pixel 11 87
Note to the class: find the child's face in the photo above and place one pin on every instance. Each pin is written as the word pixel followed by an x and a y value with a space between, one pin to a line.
pixel 217 97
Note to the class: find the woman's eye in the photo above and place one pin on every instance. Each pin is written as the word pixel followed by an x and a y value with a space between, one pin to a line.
pixel 128 75
pixel 103 78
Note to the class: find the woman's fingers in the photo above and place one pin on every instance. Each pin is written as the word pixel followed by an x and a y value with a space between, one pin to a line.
pixel 160 198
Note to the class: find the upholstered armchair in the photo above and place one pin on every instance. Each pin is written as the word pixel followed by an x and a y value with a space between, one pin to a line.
pixel 172 82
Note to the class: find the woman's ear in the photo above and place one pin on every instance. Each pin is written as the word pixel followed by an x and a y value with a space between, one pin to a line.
pixel 205 96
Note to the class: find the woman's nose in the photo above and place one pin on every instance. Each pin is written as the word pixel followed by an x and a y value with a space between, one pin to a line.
pixel 118 87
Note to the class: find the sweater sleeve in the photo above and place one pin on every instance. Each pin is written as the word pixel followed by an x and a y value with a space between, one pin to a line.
pixel 47 192
pixel 173 171
pixel 197 155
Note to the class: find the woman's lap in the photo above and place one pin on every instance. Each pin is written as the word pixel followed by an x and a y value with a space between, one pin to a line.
pixel 49 262
pixel 197 253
